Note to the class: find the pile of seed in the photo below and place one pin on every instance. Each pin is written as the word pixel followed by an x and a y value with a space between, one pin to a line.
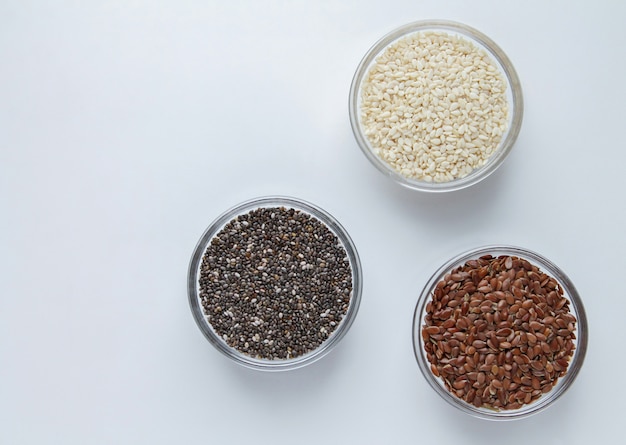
pixel 434 106
pixel 275 283
pixel 498 332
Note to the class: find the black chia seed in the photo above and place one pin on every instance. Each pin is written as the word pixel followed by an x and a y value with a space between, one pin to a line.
pixel 275 283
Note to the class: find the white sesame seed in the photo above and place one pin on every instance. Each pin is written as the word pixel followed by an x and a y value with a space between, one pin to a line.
pixel 434 91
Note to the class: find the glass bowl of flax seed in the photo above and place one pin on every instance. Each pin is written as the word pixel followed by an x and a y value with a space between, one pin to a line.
pixel 274 283
pixel 500 332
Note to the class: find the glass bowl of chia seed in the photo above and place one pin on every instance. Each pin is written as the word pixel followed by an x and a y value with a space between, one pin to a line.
pixel 436 105
pixel 274 283
pixel 500 332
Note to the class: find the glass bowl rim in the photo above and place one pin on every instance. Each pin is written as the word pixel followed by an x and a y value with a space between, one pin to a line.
pixel 265 202
pixel 576 307
pixel 516 107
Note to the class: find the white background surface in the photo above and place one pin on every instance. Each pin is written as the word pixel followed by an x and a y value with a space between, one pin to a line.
pixel 126 127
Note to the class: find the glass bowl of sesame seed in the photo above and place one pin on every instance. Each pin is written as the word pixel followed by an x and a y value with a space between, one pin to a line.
pixel 436 105
pixel 274 283
pixel 500 332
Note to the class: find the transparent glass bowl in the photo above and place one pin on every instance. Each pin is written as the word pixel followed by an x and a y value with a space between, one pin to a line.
pixel 514 96
pixel 576 308
pixel 194 291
